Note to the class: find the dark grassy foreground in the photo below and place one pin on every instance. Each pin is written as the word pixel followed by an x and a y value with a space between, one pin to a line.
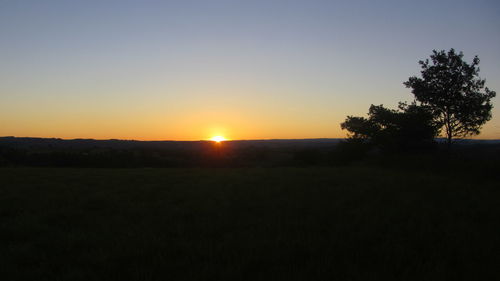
pixel 342 223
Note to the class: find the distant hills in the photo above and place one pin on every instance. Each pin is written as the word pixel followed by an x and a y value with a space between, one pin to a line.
pixel 49 152
pixel 130 153
pixel 127 144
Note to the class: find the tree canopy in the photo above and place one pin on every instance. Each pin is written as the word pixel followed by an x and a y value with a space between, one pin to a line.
pixel 408 127
pixel 452 89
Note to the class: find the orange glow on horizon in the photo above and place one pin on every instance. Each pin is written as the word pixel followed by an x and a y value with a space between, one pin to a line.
pixel 218 139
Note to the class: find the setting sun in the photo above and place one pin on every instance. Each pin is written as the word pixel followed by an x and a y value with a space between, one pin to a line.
pixel 218 138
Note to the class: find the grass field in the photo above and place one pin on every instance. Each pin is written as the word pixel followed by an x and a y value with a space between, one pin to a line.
pixel 337 223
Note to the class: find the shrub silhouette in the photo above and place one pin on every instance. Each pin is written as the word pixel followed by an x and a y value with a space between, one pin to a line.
pixel 409 127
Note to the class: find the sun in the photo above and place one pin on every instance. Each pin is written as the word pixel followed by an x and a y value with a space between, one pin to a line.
pixel 218 138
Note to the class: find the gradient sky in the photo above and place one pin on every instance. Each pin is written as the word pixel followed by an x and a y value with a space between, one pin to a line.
pixel 188 70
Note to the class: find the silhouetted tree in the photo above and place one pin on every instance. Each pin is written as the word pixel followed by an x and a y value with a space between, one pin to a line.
pixel 452 89
pixel 360 128
pixel 408 127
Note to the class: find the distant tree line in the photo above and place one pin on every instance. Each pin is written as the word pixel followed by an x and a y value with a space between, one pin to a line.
pixel 228 155
pixel 199 154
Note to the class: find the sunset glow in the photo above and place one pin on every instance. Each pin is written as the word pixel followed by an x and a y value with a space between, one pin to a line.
pixel 191 70
pixel 218 138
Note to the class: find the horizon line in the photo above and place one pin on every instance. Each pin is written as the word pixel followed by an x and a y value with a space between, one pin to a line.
pixel 110 139
pixel 266 139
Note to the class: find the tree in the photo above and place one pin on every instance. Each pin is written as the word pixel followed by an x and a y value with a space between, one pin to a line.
pixel 360 128
pixel 453 91
pixel 408 127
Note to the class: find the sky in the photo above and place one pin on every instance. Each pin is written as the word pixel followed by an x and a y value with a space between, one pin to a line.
pixel 259 69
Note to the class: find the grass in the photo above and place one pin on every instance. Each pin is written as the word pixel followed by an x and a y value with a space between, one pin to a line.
pixel 343 223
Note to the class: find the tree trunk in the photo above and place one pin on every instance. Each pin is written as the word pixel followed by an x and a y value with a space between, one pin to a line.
pixel 449 130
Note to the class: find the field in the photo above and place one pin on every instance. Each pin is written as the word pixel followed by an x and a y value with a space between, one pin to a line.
pixel 312 223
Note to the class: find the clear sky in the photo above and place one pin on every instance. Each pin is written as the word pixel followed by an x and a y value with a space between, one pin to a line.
pixel 256 69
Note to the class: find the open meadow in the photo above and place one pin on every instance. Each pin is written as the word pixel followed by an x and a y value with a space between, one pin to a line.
pixel 312 223
pixel 249 140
